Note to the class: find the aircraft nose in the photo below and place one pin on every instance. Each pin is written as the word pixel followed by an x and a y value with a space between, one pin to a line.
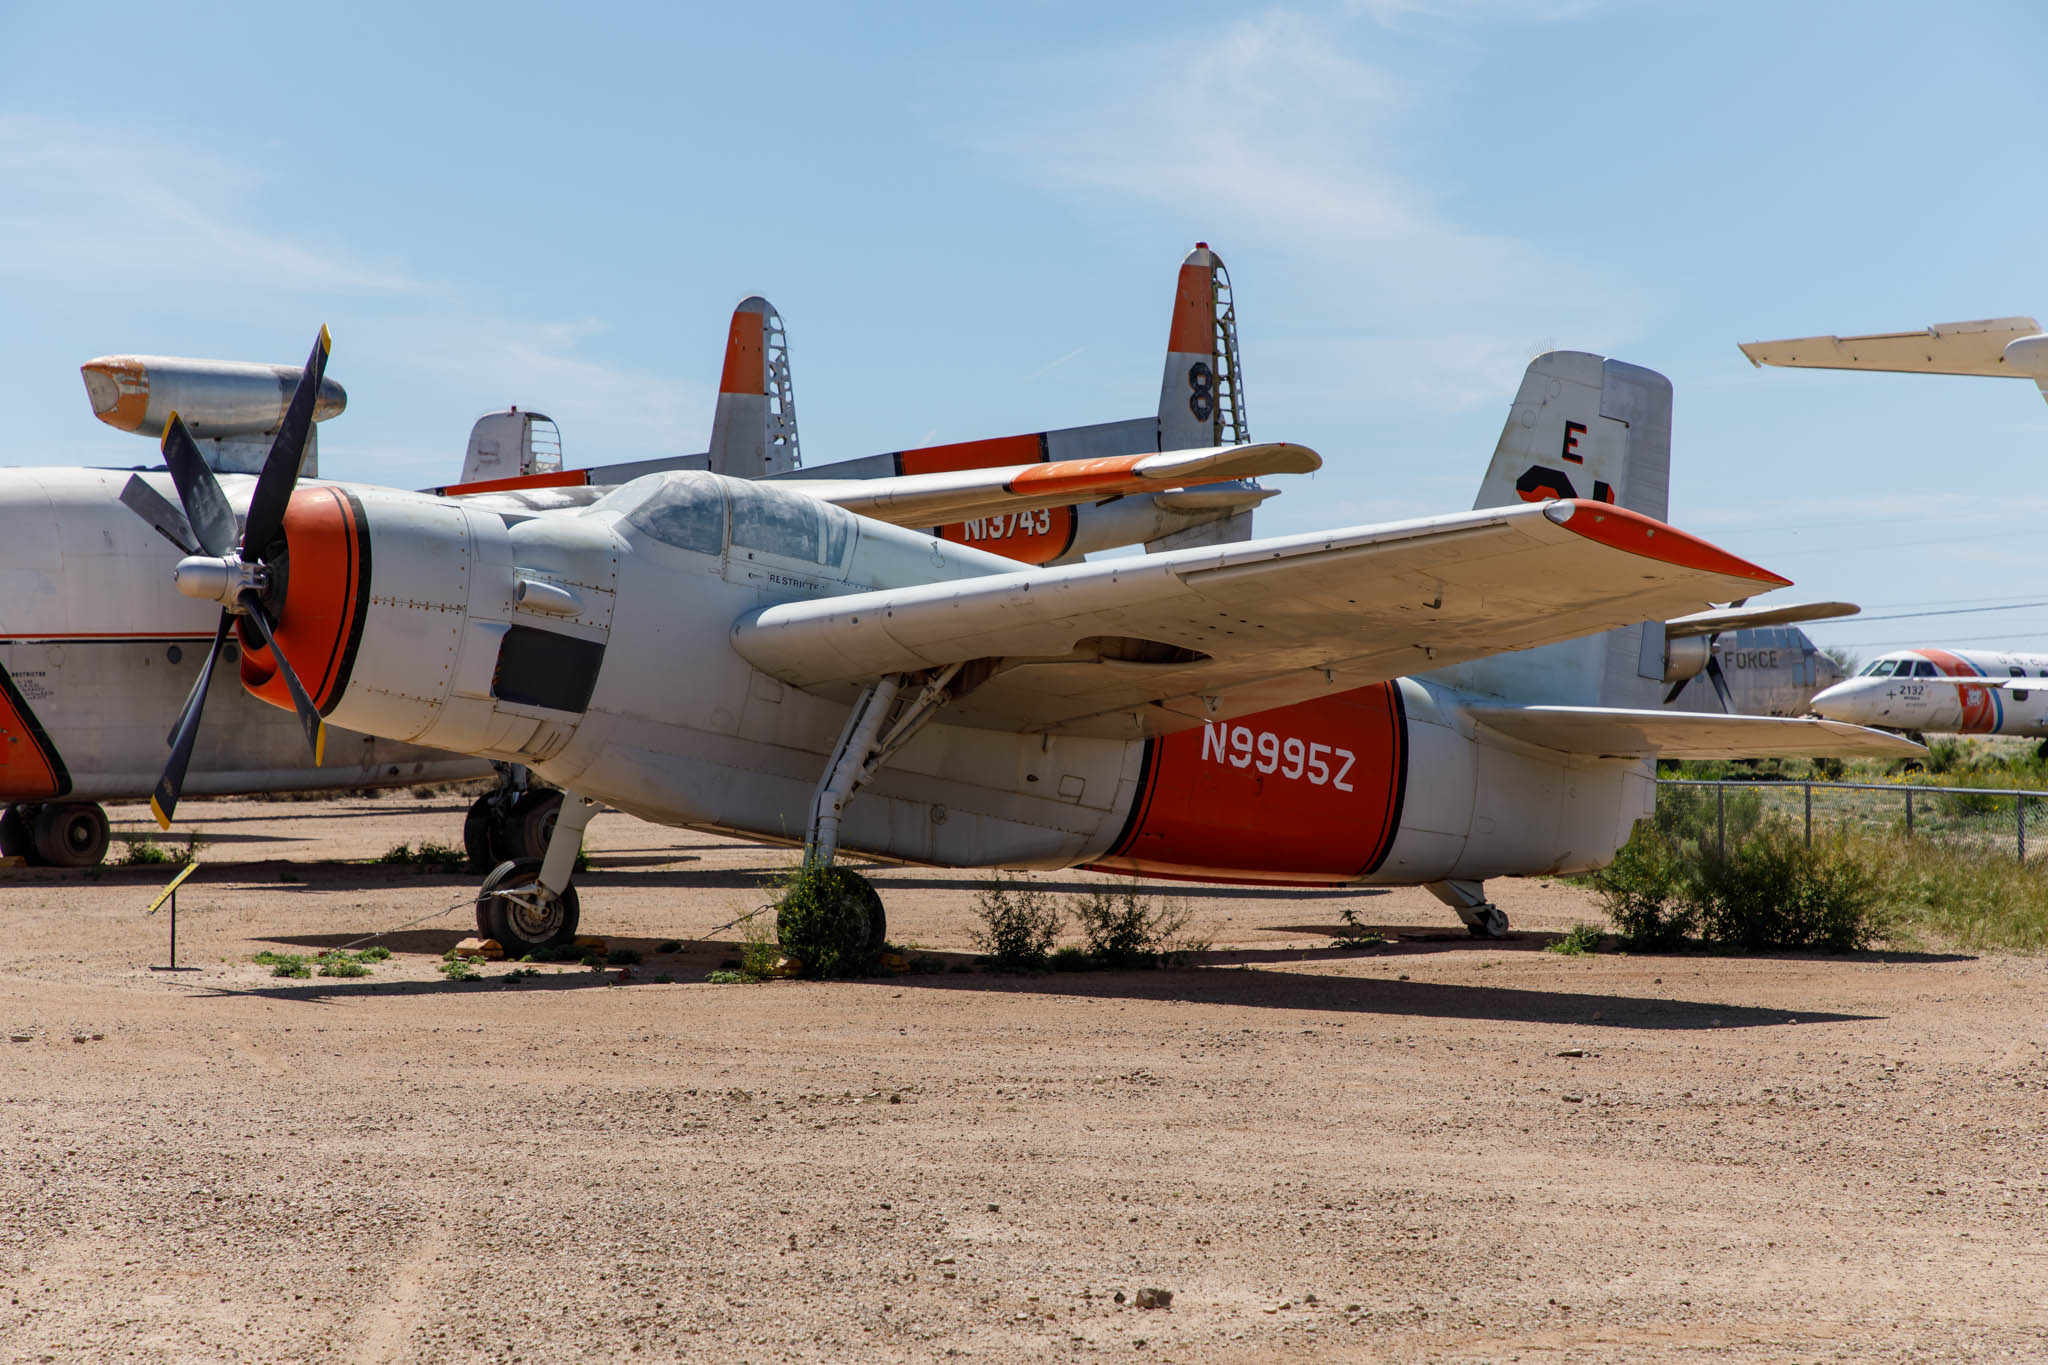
pixel 1843 701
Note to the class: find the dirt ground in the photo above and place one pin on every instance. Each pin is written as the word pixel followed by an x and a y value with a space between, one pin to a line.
pixel 1438 1149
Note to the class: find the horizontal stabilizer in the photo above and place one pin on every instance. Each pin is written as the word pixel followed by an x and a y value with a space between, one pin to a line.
pixel 1748 618
pixel 1945 348
pixel 963 494
pixel 1613 733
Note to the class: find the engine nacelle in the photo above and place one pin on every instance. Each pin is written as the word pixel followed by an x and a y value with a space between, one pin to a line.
pixel 1686 656
pixel 474 635
pixel 215 398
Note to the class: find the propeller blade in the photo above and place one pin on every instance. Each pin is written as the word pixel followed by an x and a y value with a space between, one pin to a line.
pixel 1677 688
pixel 287 450
pixel 163 802
pixel 1720 684
pixel 160 512
pixel 316 728
pixel 211 519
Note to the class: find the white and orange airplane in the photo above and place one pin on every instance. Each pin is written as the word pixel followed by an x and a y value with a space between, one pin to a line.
pixel 1945 691
pixel 1434 701
pixel 94 655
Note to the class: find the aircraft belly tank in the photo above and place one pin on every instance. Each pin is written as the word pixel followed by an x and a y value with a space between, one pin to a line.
pixel 214 397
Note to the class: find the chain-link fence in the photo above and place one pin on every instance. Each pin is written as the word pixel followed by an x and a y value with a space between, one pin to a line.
pixel 1993 819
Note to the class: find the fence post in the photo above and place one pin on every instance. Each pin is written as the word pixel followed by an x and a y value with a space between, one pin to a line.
pixel 1720 821
pixel 1909 812
pixel 2019 806
pixel 1809 815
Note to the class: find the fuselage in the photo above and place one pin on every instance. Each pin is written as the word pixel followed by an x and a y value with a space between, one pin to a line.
pixel 1902 691
pixel 98 651
pixel 1770 671
pixel 595 648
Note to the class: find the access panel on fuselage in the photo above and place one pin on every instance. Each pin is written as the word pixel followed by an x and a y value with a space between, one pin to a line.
pixel 1304 793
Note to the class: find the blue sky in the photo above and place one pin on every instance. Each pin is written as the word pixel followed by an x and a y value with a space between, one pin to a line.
pixel 969 217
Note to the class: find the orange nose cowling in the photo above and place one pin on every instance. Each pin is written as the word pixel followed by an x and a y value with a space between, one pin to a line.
pixel 327 593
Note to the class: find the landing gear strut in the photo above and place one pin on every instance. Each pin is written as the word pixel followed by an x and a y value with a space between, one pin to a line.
pixel 59 834
pixel 1483 918
pixel 840 917
pixel 509 823
pixel 528 903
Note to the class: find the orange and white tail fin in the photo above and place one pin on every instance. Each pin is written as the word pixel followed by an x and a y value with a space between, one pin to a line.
pixel 753 431
pixel 1201 399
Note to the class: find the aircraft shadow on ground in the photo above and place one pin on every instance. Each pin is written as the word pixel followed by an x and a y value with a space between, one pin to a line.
pixel 1227 978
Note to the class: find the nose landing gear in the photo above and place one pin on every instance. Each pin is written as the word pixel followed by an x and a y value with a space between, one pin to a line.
pixel 528 903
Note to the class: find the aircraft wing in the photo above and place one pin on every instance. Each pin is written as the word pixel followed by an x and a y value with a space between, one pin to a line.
pixel 1945 348
pixel 966 494
pixel 1745 618
pixel 1614 733
pixel 1153 644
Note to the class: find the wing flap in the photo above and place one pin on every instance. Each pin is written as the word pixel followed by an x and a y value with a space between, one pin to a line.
pixel 1615 733
pixel 1160 643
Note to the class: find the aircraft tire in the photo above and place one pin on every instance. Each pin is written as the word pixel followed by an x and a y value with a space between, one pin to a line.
pixel 520 929
pixel 17 840
pixel 71 834
pixel 476 835
pixel 530 823
pixel 1490 922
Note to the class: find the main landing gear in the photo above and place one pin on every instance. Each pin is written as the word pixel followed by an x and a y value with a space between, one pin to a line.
pixel 56 834
pixel 528 903
pixel 885 717
pixel 1483 918
pixel 510 823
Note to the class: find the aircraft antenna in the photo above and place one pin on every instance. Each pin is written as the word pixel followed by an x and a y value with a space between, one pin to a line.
pixel 1231 425
pixel 781 422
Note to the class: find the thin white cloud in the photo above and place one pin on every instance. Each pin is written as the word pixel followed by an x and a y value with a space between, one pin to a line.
pixel 606 412
pixel 127 207
pixel 1289 136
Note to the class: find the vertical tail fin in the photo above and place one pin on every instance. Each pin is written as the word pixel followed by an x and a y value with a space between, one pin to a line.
pixel 1201 393
pixel 753 430
pixel 1582 426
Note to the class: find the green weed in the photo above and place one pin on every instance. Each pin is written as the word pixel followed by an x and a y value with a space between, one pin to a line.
pixel 439 856
pixel 1019 923
pixel 1578 941
pixel 1125 927
pixel 295 965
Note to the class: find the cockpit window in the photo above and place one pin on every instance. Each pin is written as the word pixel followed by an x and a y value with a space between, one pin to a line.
pixel 1923 669
pixel 1879 668
pixel 789 525
pixel 686 510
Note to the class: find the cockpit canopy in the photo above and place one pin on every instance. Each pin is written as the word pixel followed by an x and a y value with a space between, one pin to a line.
pixel 691 510
pixel 1899 668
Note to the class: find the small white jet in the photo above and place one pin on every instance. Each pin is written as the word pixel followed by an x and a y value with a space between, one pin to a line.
pixel 1405 703
pixel 1945 691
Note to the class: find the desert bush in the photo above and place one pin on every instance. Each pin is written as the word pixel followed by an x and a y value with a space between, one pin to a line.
pixel 822 919
pixel 1671 882
pixel 1019 923
pixel 1578 941
pixel 1127 928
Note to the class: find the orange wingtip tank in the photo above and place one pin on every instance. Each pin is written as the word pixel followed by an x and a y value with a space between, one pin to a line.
pixel 1632 531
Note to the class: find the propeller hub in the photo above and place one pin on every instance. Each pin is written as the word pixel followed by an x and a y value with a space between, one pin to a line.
pixel 222 578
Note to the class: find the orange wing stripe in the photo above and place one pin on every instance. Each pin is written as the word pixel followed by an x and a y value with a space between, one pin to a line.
pixel 1110 473
pixel 1646 536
